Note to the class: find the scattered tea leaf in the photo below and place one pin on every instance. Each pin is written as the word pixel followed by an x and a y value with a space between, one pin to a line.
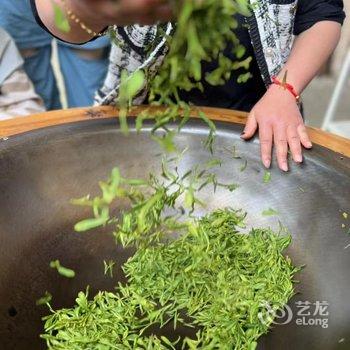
pixel 108 267
pixel 89 224
pixel 267 177
pixel 270 212
pixel 244 166
pixel 63 271
pixel 45 299
pixel 213 163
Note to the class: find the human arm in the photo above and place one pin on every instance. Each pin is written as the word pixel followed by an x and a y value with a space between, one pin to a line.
pixel 317 30
pixel 277 114
pixel 99 14
pixel 18 97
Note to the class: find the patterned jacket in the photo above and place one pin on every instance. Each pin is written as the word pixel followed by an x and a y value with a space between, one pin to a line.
pixel 271 28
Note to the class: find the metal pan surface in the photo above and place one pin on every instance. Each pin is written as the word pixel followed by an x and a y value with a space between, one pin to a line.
pixel 41 170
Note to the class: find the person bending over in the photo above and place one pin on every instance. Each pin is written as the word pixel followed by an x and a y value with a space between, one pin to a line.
pixel 294 36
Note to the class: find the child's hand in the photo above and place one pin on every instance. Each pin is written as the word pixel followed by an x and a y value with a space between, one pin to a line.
pixel 280 123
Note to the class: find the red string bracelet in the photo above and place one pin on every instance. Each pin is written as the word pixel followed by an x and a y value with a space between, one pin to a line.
pixel 286 86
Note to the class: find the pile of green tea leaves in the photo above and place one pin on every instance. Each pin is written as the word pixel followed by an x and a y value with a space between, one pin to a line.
pixel 214 279
pixel 201 274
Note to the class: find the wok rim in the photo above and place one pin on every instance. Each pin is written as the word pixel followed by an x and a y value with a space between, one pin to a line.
pixel 26 124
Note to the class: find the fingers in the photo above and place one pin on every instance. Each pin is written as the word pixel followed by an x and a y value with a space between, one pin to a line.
pixel 304 137
pixel 265 136
pixel 283 136
pixel 250 127
pixel 294 143
pixel 281 145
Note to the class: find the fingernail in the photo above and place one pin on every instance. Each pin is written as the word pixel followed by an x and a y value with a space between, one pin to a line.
pixel 267 163
pixel 243 133
pixel 299 158
pixel 309 145
pixel 284 167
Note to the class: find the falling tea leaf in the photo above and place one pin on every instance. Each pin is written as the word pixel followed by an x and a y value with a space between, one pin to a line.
pixel 45 299
pixel 108 267
pixel 61 20
pixel 63 271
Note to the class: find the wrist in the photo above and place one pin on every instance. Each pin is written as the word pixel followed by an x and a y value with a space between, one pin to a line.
pixel 298 83
pixel 280 94
pixel 285 85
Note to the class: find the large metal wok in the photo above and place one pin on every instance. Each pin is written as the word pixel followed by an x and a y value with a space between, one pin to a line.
pixel 47 160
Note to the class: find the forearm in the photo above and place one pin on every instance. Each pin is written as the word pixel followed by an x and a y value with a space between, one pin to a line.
pixel 98 14
pixel 76 34
pixel 310 52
